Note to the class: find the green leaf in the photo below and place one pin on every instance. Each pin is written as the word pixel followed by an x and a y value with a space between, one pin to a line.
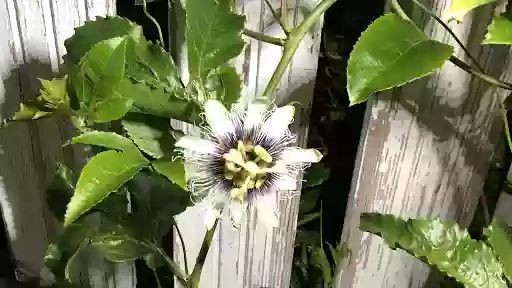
pixel 159 102
pixel 117 245
pixel 443 244
pixel 103 174
pixel 154 261
pixel 308 238
pixel 104 58
pixel 60 191
pixel 151 64
pixel 53 94
pixel 501 243
pixel 94 32
pixel 308 200
pixel 224 84
pixel 158 201
pixel 28 112
pixel 319 260
pixel 213 34
pixel 408 55
pixel 55 91
pixel 112 108
pixel 339 253
pixel 316 175
pixel 106 139
pixel 76 267
pixel 172 167
pixel 499 31
pixel 150 133
pixel 308 218
pixel 459 8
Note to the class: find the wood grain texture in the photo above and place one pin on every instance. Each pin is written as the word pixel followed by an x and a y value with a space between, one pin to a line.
pixel 251 256
pixel 31 46
pixel 425 150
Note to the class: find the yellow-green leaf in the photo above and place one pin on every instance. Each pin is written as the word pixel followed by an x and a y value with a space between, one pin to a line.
pixel 459 8
pixel 499 31
pixel 102 175
pixel 106 139
pixel 500 238
pixel 443 244
pixel 390 53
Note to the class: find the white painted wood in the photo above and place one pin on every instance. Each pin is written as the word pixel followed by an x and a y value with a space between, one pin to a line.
pixel 31 46
pixel 251 257
pixel 425 150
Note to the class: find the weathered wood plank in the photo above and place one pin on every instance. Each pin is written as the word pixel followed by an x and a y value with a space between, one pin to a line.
pixel 425 150
pixel 32 45
pixel 251 256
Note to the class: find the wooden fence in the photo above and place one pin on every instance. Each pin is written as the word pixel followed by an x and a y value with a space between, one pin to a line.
pixel 31 46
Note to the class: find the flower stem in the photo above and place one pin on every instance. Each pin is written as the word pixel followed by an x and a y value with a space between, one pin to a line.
pixel 292 43
pixel 264 38
pixel 193 279
pixel 173 266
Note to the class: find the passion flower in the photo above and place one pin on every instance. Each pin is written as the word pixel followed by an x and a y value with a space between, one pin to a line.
pixel 246 158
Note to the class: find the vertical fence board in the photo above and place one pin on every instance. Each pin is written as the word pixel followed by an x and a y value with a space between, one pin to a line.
pixel 31 46
pixel 252 257
pixel 425 151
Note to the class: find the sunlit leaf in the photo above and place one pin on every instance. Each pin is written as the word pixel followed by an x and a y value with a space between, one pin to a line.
pixel 96 31
pixel 408 54
pixel 459 8
pixel 105 139
pixel 55 91
pixel 150 133
pixel 111 109
pixel 27 112
pixel 213 34
pixel 499 237
pixel 159 102
pixel 224 84
pixel 499 31
pixel 150 63
pixel 443 244
pixel 102 175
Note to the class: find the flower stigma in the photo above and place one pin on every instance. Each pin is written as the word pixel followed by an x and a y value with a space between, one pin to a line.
pixel 246 166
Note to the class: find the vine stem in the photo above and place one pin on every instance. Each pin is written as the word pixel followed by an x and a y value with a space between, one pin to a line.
pixel 284 16
pixel 160 35
pixel 292 43
pixel 193 279
pixel 159 285
pixel 278 19
pixel 265 38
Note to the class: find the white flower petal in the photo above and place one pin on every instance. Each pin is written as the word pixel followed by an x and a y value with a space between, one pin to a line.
pixel 254 115
pixel 266 205
pixel 296 155
pixel 214 205
pixel 277 124
pixel 286 182
pixel 218 117
pixel 195 144
pixel 236 211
